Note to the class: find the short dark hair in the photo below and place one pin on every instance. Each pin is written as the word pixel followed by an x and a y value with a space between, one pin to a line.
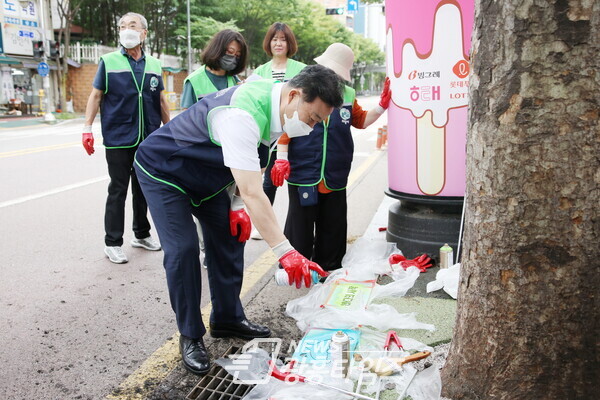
pixel 292 45
pixel 217 47
pixel 319 81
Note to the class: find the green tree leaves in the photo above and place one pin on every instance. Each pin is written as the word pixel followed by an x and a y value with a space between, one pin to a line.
pixel 167 20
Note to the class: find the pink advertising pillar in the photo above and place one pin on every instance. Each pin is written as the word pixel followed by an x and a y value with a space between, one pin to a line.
pixel 428 44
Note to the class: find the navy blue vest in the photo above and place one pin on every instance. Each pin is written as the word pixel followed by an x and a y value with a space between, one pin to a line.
pixel 183 155
pixel 126 117
pixel 325 154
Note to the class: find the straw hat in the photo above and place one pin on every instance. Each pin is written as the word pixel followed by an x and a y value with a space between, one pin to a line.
pixel 339 58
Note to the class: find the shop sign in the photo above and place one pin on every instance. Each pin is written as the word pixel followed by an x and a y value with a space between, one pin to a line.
pixel 19 27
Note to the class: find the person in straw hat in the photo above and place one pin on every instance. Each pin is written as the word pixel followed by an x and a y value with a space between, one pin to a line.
pixel 317 167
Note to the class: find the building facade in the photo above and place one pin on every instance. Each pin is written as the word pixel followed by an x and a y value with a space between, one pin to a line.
pixel 25 24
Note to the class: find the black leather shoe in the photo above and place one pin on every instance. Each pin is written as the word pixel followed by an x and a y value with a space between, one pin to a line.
pixel 243 330
pixel 194 355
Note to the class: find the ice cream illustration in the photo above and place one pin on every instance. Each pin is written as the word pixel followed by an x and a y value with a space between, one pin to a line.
pixel 428 66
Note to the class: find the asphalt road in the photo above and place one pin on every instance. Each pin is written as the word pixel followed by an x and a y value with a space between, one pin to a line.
pixel 72 324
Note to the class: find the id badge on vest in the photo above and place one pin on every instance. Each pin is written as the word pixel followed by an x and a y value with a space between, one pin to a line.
pixel 308 195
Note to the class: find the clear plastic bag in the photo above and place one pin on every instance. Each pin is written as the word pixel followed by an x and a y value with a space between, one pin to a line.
pixel 311 310
pixel 304 391
pixel 275 389
pixel 368 258
pixel 426 385
pixel 446 279
pixel 379 316
pixel 251 367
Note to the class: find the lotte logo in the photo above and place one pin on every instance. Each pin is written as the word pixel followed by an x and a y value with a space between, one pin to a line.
pixel 461 69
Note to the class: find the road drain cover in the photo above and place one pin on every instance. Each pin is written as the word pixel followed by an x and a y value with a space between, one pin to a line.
pixel 217 384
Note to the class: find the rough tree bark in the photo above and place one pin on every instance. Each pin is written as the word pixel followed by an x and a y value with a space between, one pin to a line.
pixel 528 309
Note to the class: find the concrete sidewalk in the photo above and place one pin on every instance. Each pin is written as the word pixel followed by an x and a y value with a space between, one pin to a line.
pixel 266 304
pixel 20 122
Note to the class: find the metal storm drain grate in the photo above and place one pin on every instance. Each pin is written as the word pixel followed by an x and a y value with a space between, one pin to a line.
pixel 218 384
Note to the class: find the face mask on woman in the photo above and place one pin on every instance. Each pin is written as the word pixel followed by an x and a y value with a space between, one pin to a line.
pixel 129 38
pixel 228 62
pixel 293 126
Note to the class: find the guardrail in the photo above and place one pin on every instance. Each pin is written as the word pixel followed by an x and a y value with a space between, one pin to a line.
pixel 92 53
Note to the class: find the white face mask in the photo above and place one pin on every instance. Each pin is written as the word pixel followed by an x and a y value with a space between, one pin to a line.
pixel 294 127
pixel 129 38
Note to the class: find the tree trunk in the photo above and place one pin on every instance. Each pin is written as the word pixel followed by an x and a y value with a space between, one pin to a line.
pixel 528 310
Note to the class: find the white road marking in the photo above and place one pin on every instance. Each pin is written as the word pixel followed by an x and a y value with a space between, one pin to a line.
pixel 52 191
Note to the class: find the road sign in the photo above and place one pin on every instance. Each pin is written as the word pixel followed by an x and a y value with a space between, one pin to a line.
pixel 352 6
pixel 43 69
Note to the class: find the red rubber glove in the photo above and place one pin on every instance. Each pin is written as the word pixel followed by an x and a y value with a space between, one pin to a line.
pixel 280 172
pixel 422 262
pixel 298 268
pixel 239 220
pixel 239 223
pixel 386 95
pixel 87 139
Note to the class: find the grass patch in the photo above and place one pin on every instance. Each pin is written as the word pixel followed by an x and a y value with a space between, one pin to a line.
pixel 66 115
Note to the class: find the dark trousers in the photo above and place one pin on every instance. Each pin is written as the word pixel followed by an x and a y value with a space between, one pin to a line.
pixel 172 215
pixel 120 170
pixel 318 232
pixel 268 187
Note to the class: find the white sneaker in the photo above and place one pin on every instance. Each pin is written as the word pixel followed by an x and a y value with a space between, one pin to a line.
pixel 147 243
pixel 255 234
pixel 115 254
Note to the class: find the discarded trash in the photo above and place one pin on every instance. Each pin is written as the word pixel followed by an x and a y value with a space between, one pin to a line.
pixel 282 277
pixel 426 385
pixel 372 343
pixel 388 365
pixel 390 338
pixel 446 256
pixel 447 279
pixel 350 295
pixel 249 367
pixel 252 367
pixel 349 300
pixel 314 346
pixel 422 262
pixel 398 382
pixel 313 310
pixel 368 258
pixel 291 377
pixel 339 350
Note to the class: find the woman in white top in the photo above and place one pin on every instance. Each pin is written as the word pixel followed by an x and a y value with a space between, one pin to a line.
pixel 280 44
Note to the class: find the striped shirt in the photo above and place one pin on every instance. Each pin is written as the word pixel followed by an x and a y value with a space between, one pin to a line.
pixel 279 75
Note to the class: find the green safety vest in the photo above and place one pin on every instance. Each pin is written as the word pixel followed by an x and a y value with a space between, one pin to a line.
pixel 202 84
pixel 184 154
pixel 292 69
pixel 129 111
